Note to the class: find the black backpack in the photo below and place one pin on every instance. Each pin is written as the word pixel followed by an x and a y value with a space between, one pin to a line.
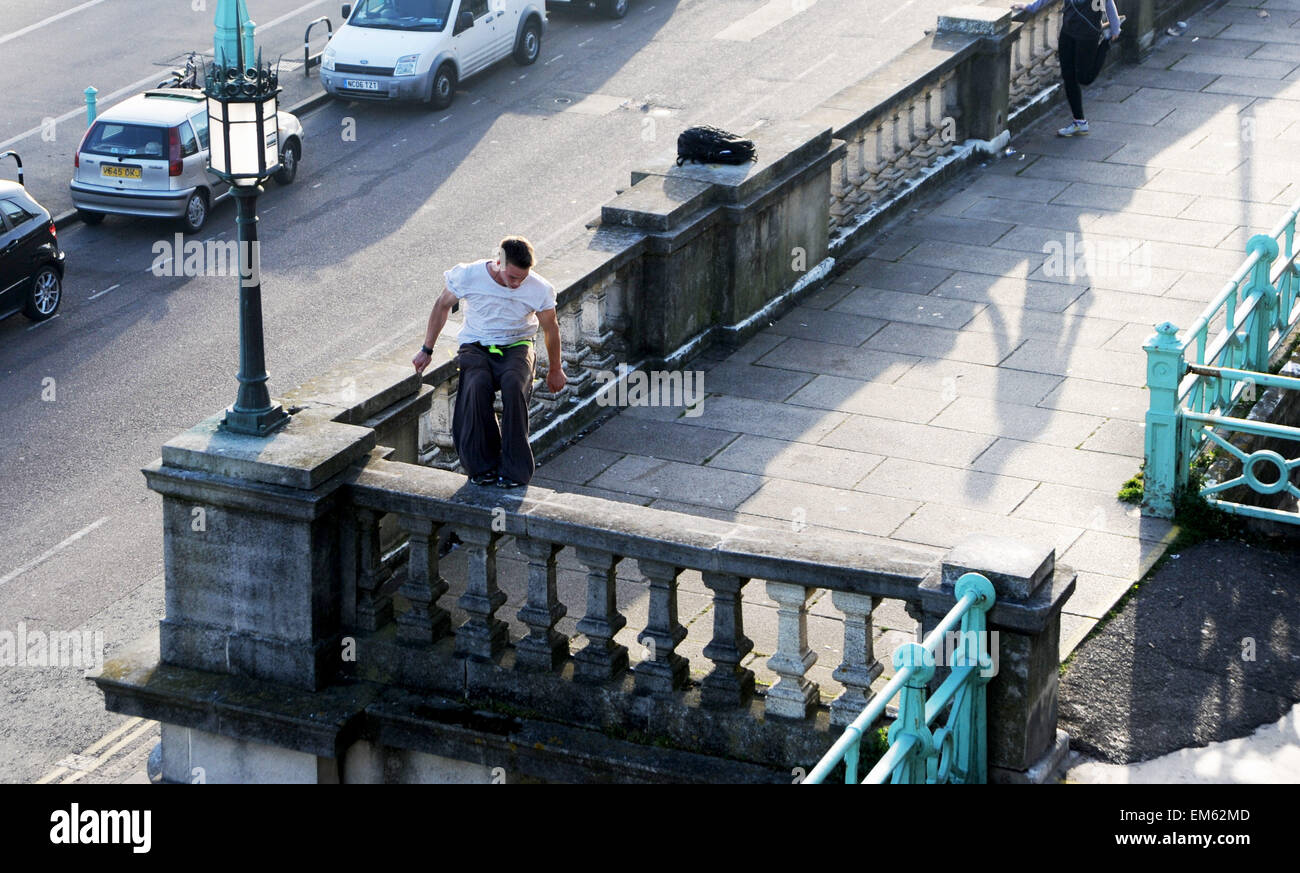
pixel 709 145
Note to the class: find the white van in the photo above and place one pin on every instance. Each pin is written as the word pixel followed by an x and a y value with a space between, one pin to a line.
pixel 420 49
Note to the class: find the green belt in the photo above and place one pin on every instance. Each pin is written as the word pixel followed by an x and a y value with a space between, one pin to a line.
pixel 493 350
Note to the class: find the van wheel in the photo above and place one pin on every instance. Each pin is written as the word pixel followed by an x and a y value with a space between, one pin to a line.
pixel 444 87
pixel 46 292
pixel 616 8
pixel 88 217
pixel 288 163
pixel 196 212
pixel 530 44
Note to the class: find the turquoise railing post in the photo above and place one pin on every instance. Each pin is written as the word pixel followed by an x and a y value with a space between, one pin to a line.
pixel 1165 471
pixel 969 721
pixel 90 93
pixel 1265 316
pixel 919 766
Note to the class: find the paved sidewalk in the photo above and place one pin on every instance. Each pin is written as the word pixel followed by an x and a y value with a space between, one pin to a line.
pixel 962 377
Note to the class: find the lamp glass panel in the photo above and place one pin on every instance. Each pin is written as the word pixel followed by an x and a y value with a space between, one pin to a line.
pixel 244 150
pixel 241 111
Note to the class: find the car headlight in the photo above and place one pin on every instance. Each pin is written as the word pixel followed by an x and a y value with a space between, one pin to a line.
pixel 327 59
pixel 406 65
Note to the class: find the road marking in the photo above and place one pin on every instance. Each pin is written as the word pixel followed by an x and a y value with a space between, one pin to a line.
pixel 149 269
pixel 105 291
pixel 77 761
pixel 29 330
pixel 585 41
pixel 152 78
pixel 49 553
pixel 895 12
pixel 763 19
pixel 50 20
pixel 121 744
pixel 553 60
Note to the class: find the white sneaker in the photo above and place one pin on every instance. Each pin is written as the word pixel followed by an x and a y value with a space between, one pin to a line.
pixel 1074 128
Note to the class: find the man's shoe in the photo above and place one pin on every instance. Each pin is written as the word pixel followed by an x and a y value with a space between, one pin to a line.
pixel 1074 128
pixel 484 479
pixel 504 482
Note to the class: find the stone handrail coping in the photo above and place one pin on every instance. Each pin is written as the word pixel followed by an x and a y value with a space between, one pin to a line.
pixel 813 559
pixel 907 75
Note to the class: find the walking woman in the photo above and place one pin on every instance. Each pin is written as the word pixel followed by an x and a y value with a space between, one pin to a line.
pixel 1081 48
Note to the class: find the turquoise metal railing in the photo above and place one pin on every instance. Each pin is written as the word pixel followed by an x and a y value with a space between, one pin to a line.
pixel 1195 382
pixel 956 752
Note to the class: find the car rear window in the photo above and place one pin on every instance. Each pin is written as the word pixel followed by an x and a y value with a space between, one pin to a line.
pixel 16 213
pixel 126 140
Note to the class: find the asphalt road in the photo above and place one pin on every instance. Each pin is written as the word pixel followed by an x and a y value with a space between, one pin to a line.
pixel 351 257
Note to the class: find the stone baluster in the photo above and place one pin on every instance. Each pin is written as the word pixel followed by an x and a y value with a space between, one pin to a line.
pixel 877 182
pixel 928 146
pixel 437 448
pixel 374 607
pixel 601 658
pixel 893 170
pixel 859 668
pixel 544 649
pixel 483 635
pixel 793 696
pixel 663 670
pixel 729 684
pixel 425 622
pixel 841 189
pixel 597 328
pixel 908 163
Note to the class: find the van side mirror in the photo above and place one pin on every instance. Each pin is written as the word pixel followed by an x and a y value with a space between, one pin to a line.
pixel 347 11
pixel 464 21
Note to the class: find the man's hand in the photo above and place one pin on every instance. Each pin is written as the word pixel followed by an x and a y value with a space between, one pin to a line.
pixel 421 360
pixel 555 379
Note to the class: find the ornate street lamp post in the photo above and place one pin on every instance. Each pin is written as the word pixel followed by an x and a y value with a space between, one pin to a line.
pixel 245 145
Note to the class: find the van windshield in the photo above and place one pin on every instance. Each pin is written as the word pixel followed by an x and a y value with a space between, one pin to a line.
pixel 428 15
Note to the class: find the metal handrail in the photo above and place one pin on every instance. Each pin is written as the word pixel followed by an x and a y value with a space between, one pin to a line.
pixel 17 160
pixel 310 60
pixel 975 597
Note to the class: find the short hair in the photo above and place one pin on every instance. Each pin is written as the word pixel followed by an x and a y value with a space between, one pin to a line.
pixel 518 251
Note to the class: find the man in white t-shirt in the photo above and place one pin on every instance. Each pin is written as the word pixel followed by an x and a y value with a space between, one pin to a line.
pixel 505 304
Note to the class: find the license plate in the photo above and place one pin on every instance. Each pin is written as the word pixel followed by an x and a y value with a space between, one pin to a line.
pixel 361 84
pixel 120 172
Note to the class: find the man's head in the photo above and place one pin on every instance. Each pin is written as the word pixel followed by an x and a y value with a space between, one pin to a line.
pixel 514 259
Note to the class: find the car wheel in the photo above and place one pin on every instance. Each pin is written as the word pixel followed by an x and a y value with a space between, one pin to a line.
pixel 616 8
pixel 46 292
pixel 530 44
pixel 90 217
pixel 288 163
pixel 196 212
pixel 443 88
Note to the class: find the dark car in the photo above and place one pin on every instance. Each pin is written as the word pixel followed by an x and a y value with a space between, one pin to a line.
pixel 612 8
pixel 31 262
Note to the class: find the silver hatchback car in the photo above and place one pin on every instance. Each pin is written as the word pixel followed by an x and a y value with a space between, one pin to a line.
pixel 149 156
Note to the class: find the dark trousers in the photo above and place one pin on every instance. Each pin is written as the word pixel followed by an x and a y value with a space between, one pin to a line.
pixel 1081 62
pixel 484 446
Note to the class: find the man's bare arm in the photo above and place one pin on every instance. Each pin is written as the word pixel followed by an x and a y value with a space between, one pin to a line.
pixel 437 321
pixel 555 378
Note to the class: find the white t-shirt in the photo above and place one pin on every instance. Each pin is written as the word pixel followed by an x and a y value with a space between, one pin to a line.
pixel 495 313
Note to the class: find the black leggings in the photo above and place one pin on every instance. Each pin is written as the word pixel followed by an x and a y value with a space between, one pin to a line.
pixel 1081 62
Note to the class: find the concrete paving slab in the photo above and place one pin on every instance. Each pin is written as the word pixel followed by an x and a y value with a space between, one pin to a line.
pixel 833 359
pixel 670 440
pixel 912 278
pixel 910 308
pixel 764 418
pixel 1112 554
pixel 827 327
pixel 973 380
pixel 1013 322
pixel 1118 368
pixel 939 342
pixel 1054 464
pixel 1118 438
pixel 1012 291
pixel 899 439
pixel 578 464
pixel 838 508
pixel 1097 398
pixel 1092 509
pixel 740 379
pixel 943 525
pixel 651 477
pixel 871 398
pixel 1015 420
pixel 801 462
pixel 1095 594
pixel 935 483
